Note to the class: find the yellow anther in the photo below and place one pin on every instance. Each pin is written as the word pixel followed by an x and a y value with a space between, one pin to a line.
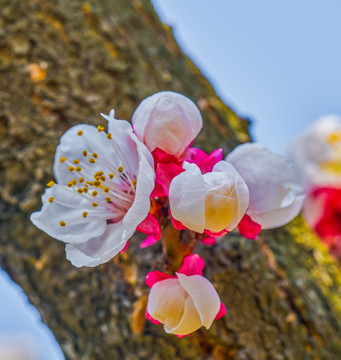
pixel 134 182
pixel 89 183
pixel 62 223
pixel 94 193
pixel 80 190
pixel 74 182
pixel 107 199
pixel 71 168
pixel 96 183
pixel 80 132
pixel 76 161
pixel 85 153
pixel 62 159
pixel 51 199
pixel 95 155
pixel 78 168
pixel 85 190
pixel 85 214
pixel 120 169
pixel 334 137
pixel 100 128
pixel 102 178
pixel 92 161
pixel 69 184
pixel 50 183
pixel 98 173
pixel 80 180
pixel 94 204
pixel 106 190
pixel 109 136
pixel 111 176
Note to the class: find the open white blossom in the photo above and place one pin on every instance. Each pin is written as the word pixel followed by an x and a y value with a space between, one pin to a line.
pixel 215 201
pixel 275 187
pixel 317 152
pixel 102 191
pixel 168 121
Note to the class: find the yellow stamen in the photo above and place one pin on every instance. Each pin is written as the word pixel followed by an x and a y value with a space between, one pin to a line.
pixel 94 204
pixel 85 153
pixel 334 137
pixel 50 183
pixel 62 223
pixel 71 168
pixel 92 161
pixel 95 155
pixel 78 168
pixel 100 128
pixel 109 136
pixel 69 184
pixel 76 161
pixel 96 183
pixel 85 190
pixel 106 190
pixel 51 199
pixel 62 159
pixel 85 214
pixel 120 169
pixel 80 190
pixel 81 180
pixel 134 182
pixel 80 132
pixel 74 182
pixel 89 183
pixel 94 193
pixel 107 199
pixel 111 176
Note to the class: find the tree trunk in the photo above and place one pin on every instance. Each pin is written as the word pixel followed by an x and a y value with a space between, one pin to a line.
pixel 61 64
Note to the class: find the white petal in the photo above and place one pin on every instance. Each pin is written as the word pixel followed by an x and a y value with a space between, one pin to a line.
pixel 204 296
pixel 68 206
pixel 110 156
pixel 189 322
pixel 187 198
pixel 273 183
pixel 166 302
pixel 98 250
pixel 167 120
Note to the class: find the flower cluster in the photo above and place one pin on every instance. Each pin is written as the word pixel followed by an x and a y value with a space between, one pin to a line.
pixel 135 177
pixel 317 153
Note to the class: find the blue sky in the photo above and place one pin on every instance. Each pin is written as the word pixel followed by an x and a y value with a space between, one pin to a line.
pixel 275 62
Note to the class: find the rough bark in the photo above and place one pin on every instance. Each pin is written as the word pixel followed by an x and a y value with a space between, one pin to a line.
pixel 62 63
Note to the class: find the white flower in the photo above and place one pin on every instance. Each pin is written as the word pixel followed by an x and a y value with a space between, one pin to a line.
pixel 104 182
pixel 215 201
pixel 276 192
pixel 317 152
pixel 168 121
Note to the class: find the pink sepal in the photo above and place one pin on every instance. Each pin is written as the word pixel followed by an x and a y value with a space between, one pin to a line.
pixel 177 224
pixel 209 240
pixel 150 226
pixel 125 248
pixel 148 241
pixel 156 276
pixel 200 158
pixel 182 336
pixel 148 317
pixel 215 234
pixel 249 228
pixel 192 265
pixel 165 172
pixel 221 312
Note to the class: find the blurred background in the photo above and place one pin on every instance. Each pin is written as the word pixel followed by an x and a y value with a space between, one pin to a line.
pixel 276 63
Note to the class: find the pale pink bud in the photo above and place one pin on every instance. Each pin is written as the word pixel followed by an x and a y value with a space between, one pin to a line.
pixel 168 121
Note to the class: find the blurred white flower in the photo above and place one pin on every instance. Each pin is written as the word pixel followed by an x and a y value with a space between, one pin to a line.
pixel 275 187
pixel 168 121
pixel 317 152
